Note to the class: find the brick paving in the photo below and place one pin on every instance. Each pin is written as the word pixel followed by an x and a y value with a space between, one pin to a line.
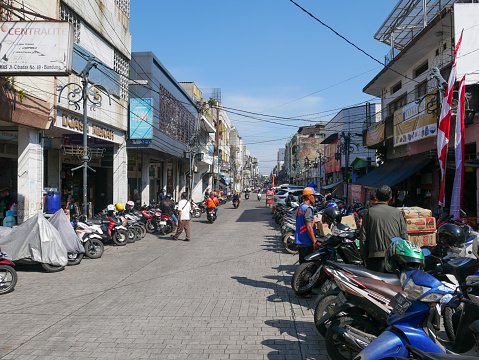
pixel 224 295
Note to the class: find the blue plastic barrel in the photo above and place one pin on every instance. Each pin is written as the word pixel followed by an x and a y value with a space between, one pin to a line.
pixel 53 202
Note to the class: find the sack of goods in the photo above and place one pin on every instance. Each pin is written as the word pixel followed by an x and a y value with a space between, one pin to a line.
pixel 421 226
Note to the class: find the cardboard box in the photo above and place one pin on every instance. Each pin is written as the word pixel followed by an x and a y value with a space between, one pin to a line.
pixel 415 212
pixel 322 228
pixel 427 224
pixel 349 221
pixel 423 239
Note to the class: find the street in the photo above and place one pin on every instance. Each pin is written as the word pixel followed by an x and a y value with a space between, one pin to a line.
pixel 224 295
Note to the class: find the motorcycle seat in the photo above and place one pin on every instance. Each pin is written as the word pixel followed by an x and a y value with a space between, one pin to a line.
pixel 96 221
pixel 380 286
pixel 357 270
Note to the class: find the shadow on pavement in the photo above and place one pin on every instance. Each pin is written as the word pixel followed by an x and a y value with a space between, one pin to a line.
pixel 255 215
pixel 305 342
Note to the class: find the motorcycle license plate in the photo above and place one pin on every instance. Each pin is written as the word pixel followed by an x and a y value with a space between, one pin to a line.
pixel 327 286
pixel 400 304
pixel 162 222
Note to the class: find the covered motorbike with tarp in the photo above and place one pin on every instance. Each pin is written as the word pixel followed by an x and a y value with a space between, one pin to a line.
pixel 36 240
pixel 75 249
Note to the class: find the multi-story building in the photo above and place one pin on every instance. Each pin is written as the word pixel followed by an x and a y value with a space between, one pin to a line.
pixel 422 42
pixel 344 153
pixel 163 124
pixel 43 141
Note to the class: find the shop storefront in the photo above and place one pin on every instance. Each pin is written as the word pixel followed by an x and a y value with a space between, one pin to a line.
pixel 63 151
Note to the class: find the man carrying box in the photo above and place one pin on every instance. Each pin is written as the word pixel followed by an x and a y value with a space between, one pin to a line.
pixel 380 224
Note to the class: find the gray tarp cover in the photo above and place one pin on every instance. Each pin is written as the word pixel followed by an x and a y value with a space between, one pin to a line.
pixel 70 239
pixel 35 239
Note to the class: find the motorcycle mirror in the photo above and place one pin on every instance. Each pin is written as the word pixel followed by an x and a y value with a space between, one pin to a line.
pixel 463 214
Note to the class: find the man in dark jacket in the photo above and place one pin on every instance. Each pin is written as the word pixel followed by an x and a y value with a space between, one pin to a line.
pixel 380 224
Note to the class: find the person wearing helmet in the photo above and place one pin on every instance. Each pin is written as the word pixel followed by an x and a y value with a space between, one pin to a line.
pixel 403 255
pixel 380 224
pixel 211 202
pixel 305 235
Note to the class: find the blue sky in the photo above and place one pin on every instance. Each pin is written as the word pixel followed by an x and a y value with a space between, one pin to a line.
pixel 267 56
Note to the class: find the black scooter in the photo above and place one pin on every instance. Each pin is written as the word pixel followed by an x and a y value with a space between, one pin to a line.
pixel 211 215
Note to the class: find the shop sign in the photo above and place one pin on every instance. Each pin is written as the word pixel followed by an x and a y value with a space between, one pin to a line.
pixel 140 119
pixel 36 48
pixel 9 135
pixel 332 165
pixel 375 134
pixel 75 124
pixel 416 121
pixel 356 193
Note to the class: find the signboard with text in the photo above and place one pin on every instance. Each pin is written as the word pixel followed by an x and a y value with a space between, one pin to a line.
pixel 141 121
pixel 375 134
pixel 36 48
pixel 416 121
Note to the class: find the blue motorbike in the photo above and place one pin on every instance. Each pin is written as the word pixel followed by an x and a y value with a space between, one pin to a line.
pixel 415 318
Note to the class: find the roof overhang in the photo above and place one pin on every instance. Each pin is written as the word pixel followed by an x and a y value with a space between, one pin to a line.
pixel 206 125
pixel 331 138
pixel 421 45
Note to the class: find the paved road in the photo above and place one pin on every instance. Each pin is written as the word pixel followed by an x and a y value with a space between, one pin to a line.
pixel 224 295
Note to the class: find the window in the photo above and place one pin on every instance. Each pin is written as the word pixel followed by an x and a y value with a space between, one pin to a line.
pixel 5 14
pixel 397 104
pixel 69 15
pixel 421 69
pixel 396 88
pixel 121 66
pixel 124 6
pixel 421 89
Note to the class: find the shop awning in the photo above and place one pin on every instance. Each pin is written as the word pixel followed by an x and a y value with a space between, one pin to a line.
pixel 330 186
pixel 394 171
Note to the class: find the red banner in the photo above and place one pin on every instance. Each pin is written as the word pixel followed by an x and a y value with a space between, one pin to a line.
pixel 332 165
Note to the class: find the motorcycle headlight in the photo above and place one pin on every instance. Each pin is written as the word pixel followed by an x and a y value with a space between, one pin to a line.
pixel 432 297
pixel 414 291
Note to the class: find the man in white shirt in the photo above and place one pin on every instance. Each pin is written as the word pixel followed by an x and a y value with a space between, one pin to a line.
pixel 184 207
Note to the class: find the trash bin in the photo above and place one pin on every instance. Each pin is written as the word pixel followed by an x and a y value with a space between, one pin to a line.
pixel 53 202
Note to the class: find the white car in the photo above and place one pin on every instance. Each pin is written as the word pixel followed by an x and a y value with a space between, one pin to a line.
pixel 282 195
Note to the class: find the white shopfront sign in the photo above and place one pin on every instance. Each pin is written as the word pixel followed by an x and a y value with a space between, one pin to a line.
pixel 36 48
pixel 74 123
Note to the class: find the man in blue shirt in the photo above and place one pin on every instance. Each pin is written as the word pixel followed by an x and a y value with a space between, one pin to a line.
pixel 305 235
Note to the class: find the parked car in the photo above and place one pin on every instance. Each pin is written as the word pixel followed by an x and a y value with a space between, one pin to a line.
pixel 282 195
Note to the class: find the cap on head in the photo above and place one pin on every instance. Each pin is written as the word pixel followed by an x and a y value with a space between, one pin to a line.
pixel 308 191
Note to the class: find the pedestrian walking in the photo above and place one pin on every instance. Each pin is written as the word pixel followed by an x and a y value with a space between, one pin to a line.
pixel 381 223
pixel 184 208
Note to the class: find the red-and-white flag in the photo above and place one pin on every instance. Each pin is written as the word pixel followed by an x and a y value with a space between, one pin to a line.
pixel 459 143
pixel 445 126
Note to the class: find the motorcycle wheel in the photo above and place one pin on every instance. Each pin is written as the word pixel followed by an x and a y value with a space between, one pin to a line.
pixel 324 305
pixel 9 279
pixel 143 230
pixel 449 323
pixel 52 268
pixel 120 237
pixel 93 248
pixel 149 227
pixel 197 213
pixel 74 258
pixel 336 349
pixel 131 235
pixel 211 219
pixel 289 244
pixel 138 233
pixel 301 282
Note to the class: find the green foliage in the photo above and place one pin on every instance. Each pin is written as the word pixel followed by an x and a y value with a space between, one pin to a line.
pixel 212 102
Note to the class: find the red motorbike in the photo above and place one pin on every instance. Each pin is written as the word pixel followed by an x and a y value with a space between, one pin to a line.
pixel 8 275
pixel 147 219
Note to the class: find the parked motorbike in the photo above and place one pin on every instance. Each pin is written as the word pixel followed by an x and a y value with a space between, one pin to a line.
pixel 108 229
pixel 8 275
pixel 414 319
pixel 195 210
pixel 339 242
pixel 91 242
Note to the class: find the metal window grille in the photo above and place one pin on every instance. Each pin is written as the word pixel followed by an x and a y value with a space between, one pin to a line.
pixel 69 15
pixel 124 6
pixel 121 66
